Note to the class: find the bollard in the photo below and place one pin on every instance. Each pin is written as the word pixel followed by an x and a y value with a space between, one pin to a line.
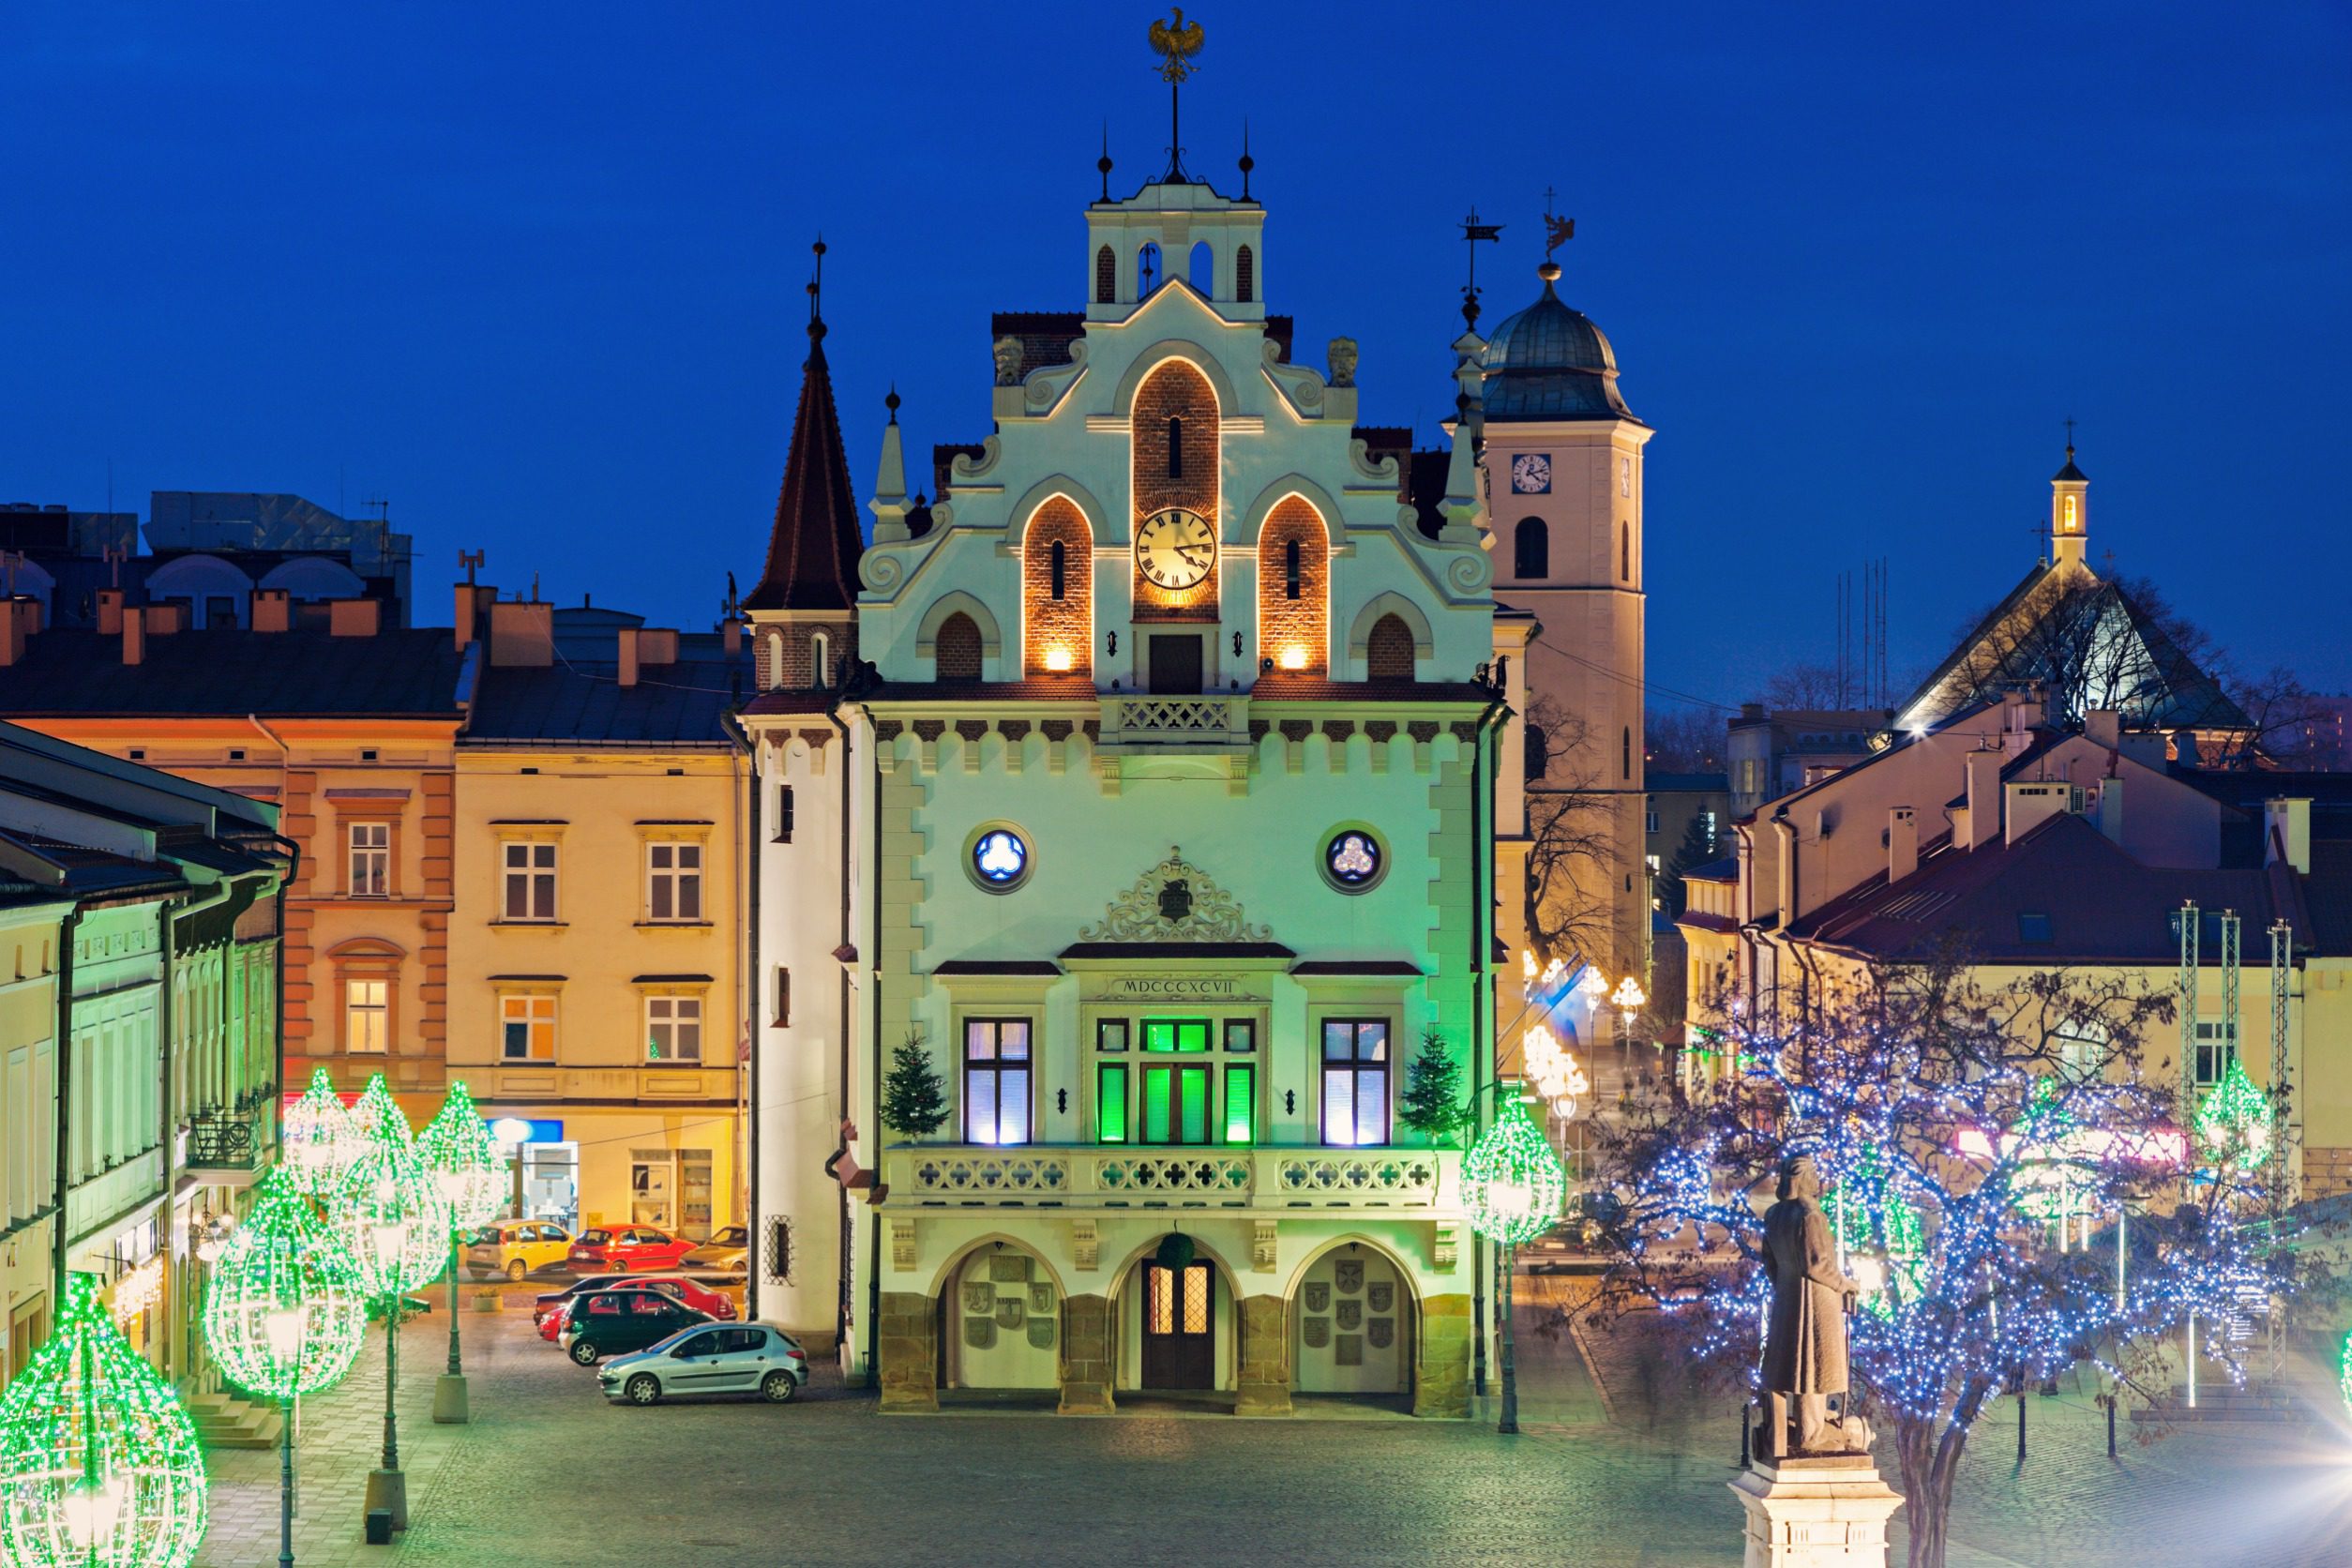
pixel 378 1527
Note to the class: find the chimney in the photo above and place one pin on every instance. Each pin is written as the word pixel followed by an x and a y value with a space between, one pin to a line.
pixel 163 619
pixel 1785 875
pixel 19 620
pixel 2286 833
pixel 656 645
pixel 1902 844
pixel 1984 797
pixel 628 656
pixel 273 610
pixel 2103 727
pixel 110 612
pixel 471 598
pixel 134 625
pixel 355 617
pixel 522 633
pixel 2111 808
pixel 2028 806
pixel 731 636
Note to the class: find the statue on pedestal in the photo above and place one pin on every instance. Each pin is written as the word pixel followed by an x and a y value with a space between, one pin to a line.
pixel 1804 1343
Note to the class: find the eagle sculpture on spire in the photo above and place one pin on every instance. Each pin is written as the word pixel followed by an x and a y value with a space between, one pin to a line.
pixel 1176 43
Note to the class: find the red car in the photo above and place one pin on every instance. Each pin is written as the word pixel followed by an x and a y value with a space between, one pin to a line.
pixel 554 1309
pixel 628 1249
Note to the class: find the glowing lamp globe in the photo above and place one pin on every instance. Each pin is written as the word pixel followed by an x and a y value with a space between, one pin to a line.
pixel 286 1308
pixel 463 1158
pixel 390 1214
pixel 99 1462
pixel 1512 1183
pixel 320 1137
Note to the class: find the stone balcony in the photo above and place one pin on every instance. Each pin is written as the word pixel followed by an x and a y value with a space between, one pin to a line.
pixel 1174 737
pixel 1420 1181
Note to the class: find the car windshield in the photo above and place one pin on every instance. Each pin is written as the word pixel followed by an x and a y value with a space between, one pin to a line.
pixel 486 1236
pixel 727 1235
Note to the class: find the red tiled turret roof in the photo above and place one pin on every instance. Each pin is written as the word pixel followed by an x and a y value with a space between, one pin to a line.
pixel 812 554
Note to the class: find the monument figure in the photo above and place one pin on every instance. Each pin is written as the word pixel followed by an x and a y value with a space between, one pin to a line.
pixel 1804 1341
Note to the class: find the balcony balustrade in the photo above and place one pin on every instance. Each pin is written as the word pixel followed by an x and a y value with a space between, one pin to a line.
pixel 1093 1176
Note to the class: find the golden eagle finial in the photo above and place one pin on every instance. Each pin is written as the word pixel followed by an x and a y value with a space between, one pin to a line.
pixel 1176 43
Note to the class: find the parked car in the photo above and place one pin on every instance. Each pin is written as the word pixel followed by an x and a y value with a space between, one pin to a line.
pixel 551 1303
pixel 612 1323
pixel 753 1358
pixel 628 1249
pixel 687 1292
pixel 516 1248
pixel 724 1253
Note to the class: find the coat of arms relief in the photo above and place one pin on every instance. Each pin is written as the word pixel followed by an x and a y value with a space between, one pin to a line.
pixel 1175 902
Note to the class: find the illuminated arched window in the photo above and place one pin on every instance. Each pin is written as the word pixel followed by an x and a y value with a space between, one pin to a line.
pixel 1059 569
pixel 1245 275
pixel 2070 514
pixel 821 660
pixel 1290 569
pixel 1175 448
pixel 1106 276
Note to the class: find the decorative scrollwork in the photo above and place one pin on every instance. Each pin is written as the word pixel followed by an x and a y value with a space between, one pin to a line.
pixel 1014 1175
pixel 881 570
pixel 1175 902
pixel 1402 1173
pixel 1211 714
pixel 1470 572
pixel 1206 1173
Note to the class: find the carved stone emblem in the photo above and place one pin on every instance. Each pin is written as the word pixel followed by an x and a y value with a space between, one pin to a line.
pixel 1041 1334
pixel 1382 1295
pixel 1319 1296
pixel 1351 1315
pixel 1008 361
pixel 1316 1332
pixel 979 1296
pixel 1342 357
pixel 980 1332
pixel 1381 1331
pixel 1350 1275
pixel 1040 1298
pixel 1011 1313
pixel 1174 901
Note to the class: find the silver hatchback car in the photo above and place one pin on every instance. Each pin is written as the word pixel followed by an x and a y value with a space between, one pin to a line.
pixel 710 1358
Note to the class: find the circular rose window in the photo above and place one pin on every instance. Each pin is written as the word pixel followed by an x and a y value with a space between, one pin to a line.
pixel 1000 859
pixel 1353 860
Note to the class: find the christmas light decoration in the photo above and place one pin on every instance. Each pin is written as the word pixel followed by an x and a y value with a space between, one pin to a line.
pixel 1553 1070
pixel 285 1311
pixel 2343 1372
pixel 457 1146
pixel 1512 1183
pixel 377 1111
pixel 320 1137
pixel 2235 1120
pixel 99 1462
pixel 387 1208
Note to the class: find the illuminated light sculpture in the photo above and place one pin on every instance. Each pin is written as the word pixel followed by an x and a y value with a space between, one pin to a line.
pixel 1553 1069
pixel 320 1137
pixel 285 1312
pixel 2235 1121
pixel 1514 1188
pixel 2343 1372
pixel 458 1148
pixel 390 1214
pixel 99 1462
pixel 1628 999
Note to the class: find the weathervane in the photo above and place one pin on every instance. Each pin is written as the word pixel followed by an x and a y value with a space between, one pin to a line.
pixel 1176 43
pixel 1472 232
pixel 816 288
pixel 1557 231
pixel 2070 438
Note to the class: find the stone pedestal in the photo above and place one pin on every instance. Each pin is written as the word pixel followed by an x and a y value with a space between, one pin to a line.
pixel 1264 1385
pixel 387 1489
pixel 1441 1357
pixel 451 1404
pixel 907 1343
pixel 1816 1510
pixel 1089 1342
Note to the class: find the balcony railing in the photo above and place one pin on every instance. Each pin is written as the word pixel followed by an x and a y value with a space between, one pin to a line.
pixel 1175 721
pixel 223 1141
pixel 1092 1176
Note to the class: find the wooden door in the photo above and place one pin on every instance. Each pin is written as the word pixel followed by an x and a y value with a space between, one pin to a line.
pixel 1176 665
pixel 1180 1326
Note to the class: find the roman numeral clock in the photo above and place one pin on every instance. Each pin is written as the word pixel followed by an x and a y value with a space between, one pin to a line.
pixel 1175 548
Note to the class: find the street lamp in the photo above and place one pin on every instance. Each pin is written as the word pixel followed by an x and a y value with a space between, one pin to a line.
pixel 98 1461
pixel 285 1314
pixel 1513 1187
pixel 1628 999
pixel 471 1181
pixel 390 1212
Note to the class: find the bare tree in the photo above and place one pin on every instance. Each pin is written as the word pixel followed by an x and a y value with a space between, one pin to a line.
pixel 1684 739
pixel 1572 863
pixel 1805 685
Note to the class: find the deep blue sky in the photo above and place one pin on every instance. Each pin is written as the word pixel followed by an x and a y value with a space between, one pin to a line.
pixel 533 272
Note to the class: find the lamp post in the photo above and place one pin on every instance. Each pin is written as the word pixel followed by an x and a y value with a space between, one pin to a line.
pixel 285 1314
pixel 98 1461
pixel 1513 1187
pixel 390 1212
pixel 458 1147
pixel 1628 999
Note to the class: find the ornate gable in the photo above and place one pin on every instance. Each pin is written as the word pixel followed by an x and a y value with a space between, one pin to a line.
pixel 1175 902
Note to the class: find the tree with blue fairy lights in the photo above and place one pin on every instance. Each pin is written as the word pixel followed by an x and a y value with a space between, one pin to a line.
pixel 1978 1147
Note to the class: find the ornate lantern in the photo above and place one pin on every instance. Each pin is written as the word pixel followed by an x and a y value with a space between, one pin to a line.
pixel 98 1461
pixel 286 1308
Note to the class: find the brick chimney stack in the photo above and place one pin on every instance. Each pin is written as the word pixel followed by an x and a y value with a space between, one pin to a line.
pixel 355 617
pixel 628 656
pixel 134 627
pixel 110 612
pixel 272 611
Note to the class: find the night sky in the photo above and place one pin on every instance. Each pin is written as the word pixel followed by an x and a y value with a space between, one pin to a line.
pixel 534 273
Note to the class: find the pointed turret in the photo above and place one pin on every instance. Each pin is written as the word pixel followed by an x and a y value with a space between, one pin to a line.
pixel 812 553
pixel 2070 513
pixel 890 504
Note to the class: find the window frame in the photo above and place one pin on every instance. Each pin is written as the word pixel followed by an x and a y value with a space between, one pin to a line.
pixel 676 880
pixel 510 874
pixel 379 1011
pixel 674 1003
pixel 529 997
pixel 972 1070
pixel 1355 1067
pixel 380 854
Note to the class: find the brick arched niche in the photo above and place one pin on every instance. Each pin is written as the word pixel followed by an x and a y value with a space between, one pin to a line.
pixel 1294 588
pixel 1058 591
pixel 1177 456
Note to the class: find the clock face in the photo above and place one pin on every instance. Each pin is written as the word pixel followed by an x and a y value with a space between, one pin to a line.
pixel 1532 473
pixel 1175 548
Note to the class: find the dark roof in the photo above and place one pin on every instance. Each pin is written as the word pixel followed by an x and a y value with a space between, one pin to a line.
pixel 813 550
pixel 2327 897
pixel 1341 967
pixel 684 703
pixel 1723 870
pixel 409 674
pixel 72 871
pixel 1177 950
pixel 1549 362
pixel 1687 783
pixel 2070 473
pixel 997 965
pixel 2096 903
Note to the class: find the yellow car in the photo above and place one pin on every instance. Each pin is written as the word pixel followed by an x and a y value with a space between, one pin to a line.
pixel 516 1248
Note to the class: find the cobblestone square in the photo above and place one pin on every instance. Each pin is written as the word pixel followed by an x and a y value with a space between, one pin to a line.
pixel 549 1474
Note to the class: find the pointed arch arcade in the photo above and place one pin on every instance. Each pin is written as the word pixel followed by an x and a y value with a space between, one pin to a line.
pixel 1057 591
pixel 1294 551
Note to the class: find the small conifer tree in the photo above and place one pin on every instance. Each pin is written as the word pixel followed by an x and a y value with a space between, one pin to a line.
pixel 914 1098
pixel 1432 1104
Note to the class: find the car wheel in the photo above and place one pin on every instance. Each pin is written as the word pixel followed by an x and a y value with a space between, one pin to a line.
pixel 616 1265
pixel 584 1352
pixel 644 1389
pixel 778 1388
pixel 515 1270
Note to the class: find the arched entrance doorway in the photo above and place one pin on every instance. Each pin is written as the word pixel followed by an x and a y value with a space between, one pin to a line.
pixel 1000 1327
pixel 1177 1322
pixel 1353 1323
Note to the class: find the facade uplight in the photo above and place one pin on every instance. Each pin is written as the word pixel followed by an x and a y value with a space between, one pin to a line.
pixel 1294 657
pixel 1058 660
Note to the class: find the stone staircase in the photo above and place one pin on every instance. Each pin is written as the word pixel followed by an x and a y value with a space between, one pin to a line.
pixel 225 1422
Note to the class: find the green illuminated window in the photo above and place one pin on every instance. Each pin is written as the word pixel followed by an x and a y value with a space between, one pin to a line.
pixel 1176 1105
pixel 1240 1104
pixel 1111 1103
pixel 1176 1034
pixel 1155 1088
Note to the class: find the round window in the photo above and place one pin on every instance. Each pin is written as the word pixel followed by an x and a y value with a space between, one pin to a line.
pixel 1353 859
pixel 999 859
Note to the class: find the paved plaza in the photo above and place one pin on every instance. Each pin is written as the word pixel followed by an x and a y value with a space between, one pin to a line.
pixel 1627 1470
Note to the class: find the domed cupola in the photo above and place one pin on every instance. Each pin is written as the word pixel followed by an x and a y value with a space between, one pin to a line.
pixel 1549 362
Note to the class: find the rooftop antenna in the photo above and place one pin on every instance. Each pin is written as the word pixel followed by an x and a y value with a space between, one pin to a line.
pixel 1176 43
pixel 114 559
pixel 1102 164
pixel 469 559
pixel 1473 232
pixel 383 506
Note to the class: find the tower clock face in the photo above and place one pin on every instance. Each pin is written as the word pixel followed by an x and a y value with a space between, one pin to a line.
pixel 1532 473
pixel 1175 548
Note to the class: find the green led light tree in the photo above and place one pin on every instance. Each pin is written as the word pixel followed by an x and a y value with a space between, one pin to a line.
pixel 1513 1187
pixel 458 1148
pixel 320 1137
pixel 2234 1121
pixel 285 1314
pixel 389 1212
pixel 98 1461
